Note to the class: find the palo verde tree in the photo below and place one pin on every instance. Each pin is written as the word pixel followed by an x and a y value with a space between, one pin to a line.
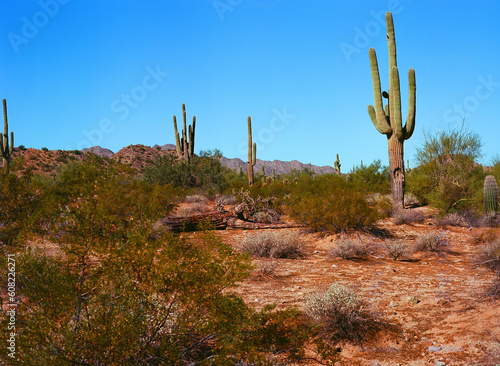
pixel 389 121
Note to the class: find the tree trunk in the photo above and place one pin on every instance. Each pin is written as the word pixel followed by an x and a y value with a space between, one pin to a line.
pixel 397 170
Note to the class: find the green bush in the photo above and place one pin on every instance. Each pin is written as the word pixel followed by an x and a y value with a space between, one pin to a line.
pixel 329 204
pixel 448 176
pixel 120 293
pixel 204 172
pixel 374 178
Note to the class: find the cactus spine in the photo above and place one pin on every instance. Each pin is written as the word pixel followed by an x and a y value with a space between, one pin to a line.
pixel 337 165
pixel 490 195
pixel 6 149
pixel 185 145
pixel 389 121
pixel 252 153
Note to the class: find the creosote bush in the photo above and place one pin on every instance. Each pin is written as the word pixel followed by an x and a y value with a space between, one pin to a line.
pixel 120 293
pixel 329 204
pixel 351 249
pixel 344 317
pixel 273 244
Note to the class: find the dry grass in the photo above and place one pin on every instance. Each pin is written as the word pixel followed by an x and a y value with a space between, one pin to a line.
pixel 408 217
pixel 432 242
pixel 351 249
pixel 397 249
pixel 273 244
pixel 344 317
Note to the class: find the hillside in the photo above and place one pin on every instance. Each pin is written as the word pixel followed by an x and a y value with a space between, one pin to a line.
pixel 48 162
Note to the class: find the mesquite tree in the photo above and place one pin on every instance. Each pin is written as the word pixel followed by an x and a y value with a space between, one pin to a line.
pixel 389 121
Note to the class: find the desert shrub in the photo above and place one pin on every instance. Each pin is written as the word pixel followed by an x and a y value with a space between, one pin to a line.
pixel 373 178
pixel 411 200
pixel 408 217
pixel 255 208
pixel 266 268
pixel 381 202
pixel 204 172
pixel 489 255
pixel 226 199
pixel 447 176
pixel 397 249
pixel 194 209
pixel 344 317
pixel 329 204
pixel 117 295
pixel 350 249
pixel 489 220
pixel 431 242
pixel 196 198
pixel 462 219
pixel 272 244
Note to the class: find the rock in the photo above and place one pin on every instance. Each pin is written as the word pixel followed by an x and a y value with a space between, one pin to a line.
pixel 439 363
pixel 393 304
pixel 434 349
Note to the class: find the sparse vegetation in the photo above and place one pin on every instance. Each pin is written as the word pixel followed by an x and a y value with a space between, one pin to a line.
pixel 408 217
pixel 397 249
pixel 432 242
pixel 273 244
pixel 351 249
pixel 344 317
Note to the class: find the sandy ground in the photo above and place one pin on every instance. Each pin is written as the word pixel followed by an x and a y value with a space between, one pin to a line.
pixel 434 299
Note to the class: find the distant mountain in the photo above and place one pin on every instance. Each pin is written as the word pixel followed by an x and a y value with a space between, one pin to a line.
pixel 99 151
pixel 47 162
pixel 280 167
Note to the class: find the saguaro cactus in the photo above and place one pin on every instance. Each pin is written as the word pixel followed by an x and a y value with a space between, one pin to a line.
pixel 337 165
pixel 389 121
pixel 252 153
pixel 185 145
pixel 490 195
pixel 6 149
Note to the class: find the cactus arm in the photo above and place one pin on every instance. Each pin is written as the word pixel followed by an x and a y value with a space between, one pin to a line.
pixel 191 137
pixel 377 114
pixel 412 101
pixel 396 118
pixel 254 154
pixel 11 143
pixel 178 145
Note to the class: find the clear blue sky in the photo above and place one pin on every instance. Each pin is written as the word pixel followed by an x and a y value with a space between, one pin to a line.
pixel 112 73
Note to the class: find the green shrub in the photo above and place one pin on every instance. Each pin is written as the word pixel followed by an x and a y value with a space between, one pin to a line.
pixel 118 295
pixel 373 178
pixel 448 176
pixel 329 204
pixel 204 172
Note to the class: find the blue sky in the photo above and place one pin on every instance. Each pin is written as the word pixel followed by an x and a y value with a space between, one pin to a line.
pixel 113 73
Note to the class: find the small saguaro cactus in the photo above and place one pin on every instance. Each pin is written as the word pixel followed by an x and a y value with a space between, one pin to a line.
pixel 252 153
pixel 389 121
pixel 185 145
pixel 337 165
pixel 490 195
pixel 6 148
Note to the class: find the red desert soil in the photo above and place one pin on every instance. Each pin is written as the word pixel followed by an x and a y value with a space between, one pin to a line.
pixel 435 299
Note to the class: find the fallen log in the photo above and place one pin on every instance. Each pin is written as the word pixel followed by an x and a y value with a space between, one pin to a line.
pixel 219 221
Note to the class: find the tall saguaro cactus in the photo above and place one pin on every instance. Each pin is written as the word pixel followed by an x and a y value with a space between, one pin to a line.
pixel 389 121
pixel 6 148
pixel 490 195
pixel 252 153
pixel 185 145
pixel 337 165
